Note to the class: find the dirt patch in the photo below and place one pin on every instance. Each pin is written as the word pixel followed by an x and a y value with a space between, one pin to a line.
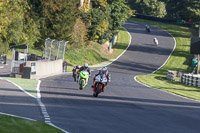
pixel 105 48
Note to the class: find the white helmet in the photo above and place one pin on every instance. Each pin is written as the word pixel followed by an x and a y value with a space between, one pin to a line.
pixel 86 65
pixel 79 66
pixel 104 69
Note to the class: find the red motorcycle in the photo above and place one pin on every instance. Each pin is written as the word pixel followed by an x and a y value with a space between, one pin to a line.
pixel 100 81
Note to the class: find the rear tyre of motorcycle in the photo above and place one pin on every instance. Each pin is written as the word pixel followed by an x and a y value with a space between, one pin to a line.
pixel 74 78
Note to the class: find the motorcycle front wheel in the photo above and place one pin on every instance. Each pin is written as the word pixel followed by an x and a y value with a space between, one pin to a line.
pixel 98 90
pixel 81 84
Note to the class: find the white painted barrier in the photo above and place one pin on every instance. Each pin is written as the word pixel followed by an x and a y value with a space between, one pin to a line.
pixel 41 69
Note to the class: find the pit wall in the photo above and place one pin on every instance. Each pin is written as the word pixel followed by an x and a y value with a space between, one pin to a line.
pixel 42 69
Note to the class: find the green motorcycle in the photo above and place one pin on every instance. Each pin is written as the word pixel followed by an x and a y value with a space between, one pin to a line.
pixel 83 78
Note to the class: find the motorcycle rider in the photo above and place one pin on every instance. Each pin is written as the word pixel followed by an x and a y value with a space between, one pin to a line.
pixel 103 70
pixel 155 40
pixel 84 68
pixel 147 27
pixel 75 70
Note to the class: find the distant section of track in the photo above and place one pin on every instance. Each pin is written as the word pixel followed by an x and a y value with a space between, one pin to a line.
pixel 125 106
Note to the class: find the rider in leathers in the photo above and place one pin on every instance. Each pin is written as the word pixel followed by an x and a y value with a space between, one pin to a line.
pixel 85 68
pixel 103 70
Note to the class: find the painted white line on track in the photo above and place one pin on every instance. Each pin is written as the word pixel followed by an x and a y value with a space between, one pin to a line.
pixel 58 128
pixel 17 116
pixel 135 78
pixel 19 87
pixel 38 89
pixel 46 116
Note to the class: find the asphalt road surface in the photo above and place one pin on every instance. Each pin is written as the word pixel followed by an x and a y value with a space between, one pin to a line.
pixel 14 101
pixel 125 106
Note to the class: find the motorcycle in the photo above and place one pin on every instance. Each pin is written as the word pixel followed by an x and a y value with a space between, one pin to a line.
pixel 83 77
pixel 100 80
pixel 148 30
pixel 75 75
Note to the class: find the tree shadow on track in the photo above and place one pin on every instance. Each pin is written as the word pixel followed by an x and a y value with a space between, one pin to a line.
pixel 140 29
pixel 146 48
pixel 132 68
pixel 118 99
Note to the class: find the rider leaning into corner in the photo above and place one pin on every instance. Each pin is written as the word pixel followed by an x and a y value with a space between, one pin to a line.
pixel 103 70
pixel 85 68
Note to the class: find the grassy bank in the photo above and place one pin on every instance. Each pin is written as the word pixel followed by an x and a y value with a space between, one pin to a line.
pixel 10 124
pixel 95 54
pixel 180 60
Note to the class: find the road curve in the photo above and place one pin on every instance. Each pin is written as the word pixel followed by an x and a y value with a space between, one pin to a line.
pixel 125 106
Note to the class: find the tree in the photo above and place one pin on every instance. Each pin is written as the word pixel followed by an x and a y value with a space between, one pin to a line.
pixel 16 26
pixel 57 18
pixel 184 9
pixel 105 18
pixel 149 7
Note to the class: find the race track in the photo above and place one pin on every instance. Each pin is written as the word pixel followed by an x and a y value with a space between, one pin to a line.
pixel 125 106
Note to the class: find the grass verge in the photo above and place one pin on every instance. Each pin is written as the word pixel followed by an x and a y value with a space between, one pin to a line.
pixel 10 124
pixel 28 85
pixel 94 55
pixel 180 60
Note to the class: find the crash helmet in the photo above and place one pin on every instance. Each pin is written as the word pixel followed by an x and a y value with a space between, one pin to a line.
pixel 104 69
pixel 86 65
pixel 79 66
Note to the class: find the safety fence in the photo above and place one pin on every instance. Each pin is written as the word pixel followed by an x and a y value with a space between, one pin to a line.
pixel 54 49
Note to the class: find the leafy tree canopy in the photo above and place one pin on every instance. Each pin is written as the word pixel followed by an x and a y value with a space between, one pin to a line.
pixel 149 7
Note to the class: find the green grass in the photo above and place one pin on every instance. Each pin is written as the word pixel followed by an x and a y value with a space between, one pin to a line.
pixel 93 55
pixel 10 124
pixel 122 43
pixel 180 60
pixel 28 85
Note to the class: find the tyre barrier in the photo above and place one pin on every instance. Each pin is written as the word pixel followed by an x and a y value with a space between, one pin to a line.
pixel 185 78
pixel 171 75
pixel 190 79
